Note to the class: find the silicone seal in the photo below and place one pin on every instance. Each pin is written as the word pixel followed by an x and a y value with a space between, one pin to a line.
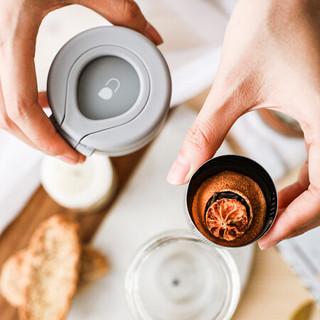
pixel 109 67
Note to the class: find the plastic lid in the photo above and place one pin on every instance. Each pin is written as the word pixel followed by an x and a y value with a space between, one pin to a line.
pixel 109 90
pixel 107 87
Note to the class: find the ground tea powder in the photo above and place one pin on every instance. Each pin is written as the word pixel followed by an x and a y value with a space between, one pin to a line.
pixel 226 221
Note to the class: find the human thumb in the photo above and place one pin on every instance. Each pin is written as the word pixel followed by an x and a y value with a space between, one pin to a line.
pixel 204 137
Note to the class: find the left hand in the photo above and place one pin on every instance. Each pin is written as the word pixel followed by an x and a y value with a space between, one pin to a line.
pixel 21 104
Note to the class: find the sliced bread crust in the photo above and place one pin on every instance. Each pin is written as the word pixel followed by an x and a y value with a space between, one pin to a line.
pixel 93 266
pixel 14 277
pixel 54 268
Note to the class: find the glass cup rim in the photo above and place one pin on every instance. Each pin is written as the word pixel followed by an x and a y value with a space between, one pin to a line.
pixel 232 273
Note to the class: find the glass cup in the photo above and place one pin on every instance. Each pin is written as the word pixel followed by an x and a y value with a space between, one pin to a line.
pixel 177 276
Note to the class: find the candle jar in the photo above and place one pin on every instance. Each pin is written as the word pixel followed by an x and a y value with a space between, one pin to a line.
pixel 231 201
pixel 85 188
pixel 177 276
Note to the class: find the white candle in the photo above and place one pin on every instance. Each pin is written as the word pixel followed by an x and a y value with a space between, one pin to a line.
pixel 85 187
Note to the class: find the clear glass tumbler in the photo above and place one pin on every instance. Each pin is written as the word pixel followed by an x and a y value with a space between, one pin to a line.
pixel 175 276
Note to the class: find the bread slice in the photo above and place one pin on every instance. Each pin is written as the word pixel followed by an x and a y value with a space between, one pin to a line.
pixel 18 271
pixel 14 278
pixel 54 268
pixel 15 273
pixel 93 266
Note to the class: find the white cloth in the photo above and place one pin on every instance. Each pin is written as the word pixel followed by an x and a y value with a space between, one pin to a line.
pixel 19 176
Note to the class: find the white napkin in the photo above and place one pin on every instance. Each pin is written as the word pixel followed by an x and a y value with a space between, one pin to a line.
pixel 19 176
pixel 303 255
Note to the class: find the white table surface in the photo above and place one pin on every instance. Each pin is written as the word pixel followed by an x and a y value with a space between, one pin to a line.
pixel 135 218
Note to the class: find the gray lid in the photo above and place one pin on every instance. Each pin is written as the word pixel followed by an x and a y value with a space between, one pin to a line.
pixel 109 90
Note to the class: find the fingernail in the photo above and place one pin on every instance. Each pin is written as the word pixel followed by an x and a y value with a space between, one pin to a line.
pixel 153 34
pixel 264 246
pixel 82 158
pixel 67 159
pixel 178 172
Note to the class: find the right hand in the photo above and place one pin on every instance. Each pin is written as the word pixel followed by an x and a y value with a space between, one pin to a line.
pixel 20 103
pixel 270 59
